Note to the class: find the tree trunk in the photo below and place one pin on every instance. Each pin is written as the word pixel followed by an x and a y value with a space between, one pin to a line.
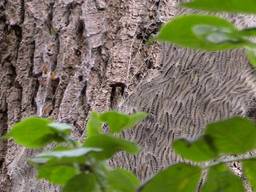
pixel 64 58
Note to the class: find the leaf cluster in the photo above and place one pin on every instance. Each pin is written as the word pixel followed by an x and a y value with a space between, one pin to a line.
pixel 80 166
pixel 224 141
pixel 212 33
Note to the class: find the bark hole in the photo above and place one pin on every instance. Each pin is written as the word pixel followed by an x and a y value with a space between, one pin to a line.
pixel 117 92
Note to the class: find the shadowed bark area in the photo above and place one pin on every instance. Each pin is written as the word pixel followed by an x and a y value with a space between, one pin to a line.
pixel 64 58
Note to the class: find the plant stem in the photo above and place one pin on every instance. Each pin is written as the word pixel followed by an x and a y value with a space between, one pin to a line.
pixel 227 159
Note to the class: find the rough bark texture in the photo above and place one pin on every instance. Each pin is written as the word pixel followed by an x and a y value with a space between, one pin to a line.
pixel 64 58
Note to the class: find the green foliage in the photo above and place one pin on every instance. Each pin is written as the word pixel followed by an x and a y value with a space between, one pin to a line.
pixel 110 145
pixel 37 132
pixel 179 178
pixel 251 55
pixel 237 6
pixel 77 154
pixel 211 33
pixel 80 166
pixel 233 136
pixel 60 127
pixel 223 137
pixel 220 178
pixel 121 180
pixel 94 125
pixel 202 32
pixel 249 167
pixel 199 150
pixel 57 173
pixel 248 32
pixel 83 182
pixel 118 121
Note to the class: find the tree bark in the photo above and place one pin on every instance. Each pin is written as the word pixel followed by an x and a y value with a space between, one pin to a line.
pixel 64 58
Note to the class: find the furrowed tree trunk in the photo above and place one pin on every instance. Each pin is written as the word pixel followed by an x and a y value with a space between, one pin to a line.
pixel 64 58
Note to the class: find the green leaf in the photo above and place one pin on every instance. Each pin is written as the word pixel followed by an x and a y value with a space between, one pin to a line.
pixel 135 118
pixel 39 160
pixel 251 56
pixel 64 156
pixel 94 125
pixel 119 121
pixel 237 6
pixel 110 145
pixel 220 138
pixel 249 168
pixel 116 121
pixel 199 150
pixel 56 174
pixel 220 178
pixel 35 132
pixel 232 136
pixel 101 170
pixel 78 152
pixel 121 180
pixel 179 178
pixel 248 31
pixel 85 182
pixel 202 32
pixel 32 132
pixel 60 127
